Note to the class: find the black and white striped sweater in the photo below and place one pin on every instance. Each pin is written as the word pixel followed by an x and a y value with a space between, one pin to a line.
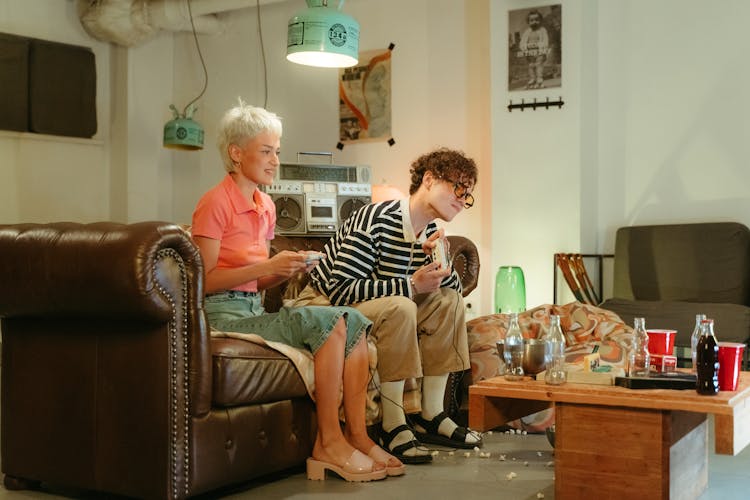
pixel 369 257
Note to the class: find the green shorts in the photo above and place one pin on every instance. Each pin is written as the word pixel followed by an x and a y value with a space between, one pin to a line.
pixel 301 327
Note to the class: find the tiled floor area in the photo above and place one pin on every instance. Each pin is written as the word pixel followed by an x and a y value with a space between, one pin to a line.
pixel 518 468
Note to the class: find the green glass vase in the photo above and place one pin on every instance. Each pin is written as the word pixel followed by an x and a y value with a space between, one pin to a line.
pixel 510 290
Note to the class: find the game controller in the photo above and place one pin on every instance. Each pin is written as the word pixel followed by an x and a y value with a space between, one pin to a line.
pixel 313 257
pixel 439 254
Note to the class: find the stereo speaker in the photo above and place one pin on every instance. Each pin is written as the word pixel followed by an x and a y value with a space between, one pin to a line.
pixel 347 205
pixel 290 213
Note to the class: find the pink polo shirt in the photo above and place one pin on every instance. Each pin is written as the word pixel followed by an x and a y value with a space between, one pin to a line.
pixel 224 214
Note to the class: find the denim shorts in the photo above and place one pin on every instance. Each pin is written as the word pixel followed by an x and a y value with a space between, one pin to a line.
pixel 301 327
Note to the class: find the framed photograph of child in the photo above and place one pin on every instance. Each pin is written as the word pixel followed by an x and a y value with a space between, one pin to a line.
pixel 535 48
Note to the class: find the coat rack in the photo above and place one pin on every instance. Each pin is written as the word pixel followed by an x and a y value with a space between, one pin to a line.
pixel 535 104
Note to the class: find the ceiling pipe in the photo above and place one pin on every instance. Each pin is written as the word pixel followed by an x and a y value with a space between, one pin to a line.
pixel 130 22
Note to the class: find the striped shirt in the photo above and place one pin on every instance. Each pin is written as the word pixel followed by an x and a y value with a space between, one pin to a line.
pixel 370 257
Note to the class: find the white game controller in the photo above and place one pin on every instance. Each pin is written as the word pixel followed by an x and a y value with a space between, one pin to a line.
pixel 439 254
pixel 313 256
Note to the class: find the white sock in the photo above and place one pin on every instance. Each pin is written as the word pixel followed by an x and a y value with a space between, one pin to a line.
pixel 433 394
pixel 392 401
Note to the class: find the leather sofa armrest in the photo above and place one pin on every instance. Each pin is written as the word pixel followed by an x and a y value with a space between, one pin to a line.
pixel 101 269
pixel 148 275
pixel 465 258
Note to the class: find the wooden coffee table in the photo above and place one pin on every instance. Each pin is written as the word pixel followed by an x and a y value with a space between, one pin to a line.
pixel 613 442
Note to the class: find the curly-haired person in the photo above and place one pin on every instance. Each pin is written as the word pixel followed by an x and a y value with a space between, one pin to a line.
pixel 381 263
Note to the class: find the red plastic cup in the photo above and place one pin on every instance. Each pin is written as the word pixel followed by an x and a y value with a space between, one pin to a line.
pixel 730 360
pixel 661 341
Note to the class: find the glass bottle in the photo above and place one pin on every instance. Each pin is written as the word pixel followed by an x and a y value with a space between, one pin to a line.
pixel 707 360
pixel 694 338
pixel 555 353
pixel 513 350
pixel 639 360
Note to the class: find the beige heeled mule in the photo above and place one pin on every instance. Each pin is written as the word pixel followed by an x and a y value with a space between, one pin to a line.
pixel 357 469
pixel 378 454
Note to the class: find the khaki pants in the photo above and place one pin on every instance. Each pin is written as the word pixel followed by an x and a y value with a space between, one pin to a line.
pixel 425 336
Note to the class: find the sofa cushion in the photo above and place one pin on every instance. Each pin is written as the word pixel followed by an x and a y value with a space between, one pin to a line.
pixel 246 372
pixel 704 262
pixel 731 321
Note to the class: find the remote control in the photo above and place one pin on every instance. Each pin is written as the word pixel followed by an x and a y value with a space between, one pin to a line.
pixel 439 254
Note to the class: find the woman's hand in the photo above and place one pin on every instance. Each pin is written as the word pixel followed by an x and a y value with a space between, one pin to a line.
pixel 287 263
pixel 312 258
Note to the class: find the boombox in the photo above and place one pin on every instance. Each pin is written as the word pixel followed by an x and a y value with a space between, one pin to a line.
pixel 315 199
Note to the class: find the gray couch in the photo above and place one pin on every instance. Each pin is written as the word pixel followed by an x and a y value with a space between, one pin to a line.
pixel 669 273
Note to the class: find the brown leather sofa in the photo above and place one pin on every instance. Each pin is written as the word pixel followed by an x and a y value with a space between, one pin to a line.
pixel 111 381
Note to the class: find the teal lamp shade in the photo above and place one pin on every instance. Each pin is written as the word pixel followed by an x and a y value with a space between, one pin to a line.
pixel 182 132
pixel 323 36
pixel 510 290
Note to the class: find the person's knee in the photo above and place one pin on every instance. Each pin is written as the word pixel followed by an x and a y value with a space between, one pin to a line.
pixel 451 298
pixel 359 351
pixel 339 329
pixel 401 309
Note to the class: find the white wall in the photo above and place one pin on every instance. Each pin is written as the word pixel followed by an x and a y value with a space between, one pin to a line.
pixel 536 160
pixel 46 177
pixel 672 114
pixel 440 94
pixel 653 129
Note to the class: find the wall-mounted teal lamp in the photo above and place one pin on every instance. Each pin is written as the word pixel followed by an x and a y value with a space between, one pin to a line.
pixel 182 132
pixel 323 36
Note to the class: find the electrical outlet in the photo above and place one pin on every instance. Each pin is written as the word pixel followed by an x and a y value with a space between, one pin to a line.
pixel 469 310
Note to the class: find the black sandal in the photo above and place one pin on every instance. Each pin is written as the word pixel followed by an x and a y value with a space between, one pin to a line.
pixel 386 438
pixel 432 436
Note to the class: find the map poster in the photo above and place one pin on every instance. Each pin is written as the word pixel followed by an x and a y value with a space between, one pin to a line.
pixel 365 98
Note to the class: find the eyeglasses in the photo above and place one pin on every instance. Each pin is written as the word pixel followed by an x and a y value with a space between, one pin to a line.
pixel 462 191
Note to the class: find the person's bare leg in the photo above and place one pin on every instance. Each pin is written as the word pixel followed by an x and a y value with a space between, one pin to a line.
pixel 330 443
pixel 356 378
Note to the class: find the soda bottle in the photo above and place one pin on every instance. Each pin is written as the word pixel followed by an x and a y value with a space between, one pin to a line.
pixel 513 350
pixel 707 360
pixel 694 338
pixel 555 353
pixel 639 360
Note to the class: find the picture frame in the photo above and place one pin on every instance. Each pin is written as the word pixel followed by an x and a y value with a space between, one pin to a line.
pixel 365 98
pixel 535 48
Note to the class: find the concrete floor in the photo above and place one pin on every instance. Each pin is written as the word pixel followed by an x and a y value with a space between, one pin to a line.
pixel 509 466
pixel 528 459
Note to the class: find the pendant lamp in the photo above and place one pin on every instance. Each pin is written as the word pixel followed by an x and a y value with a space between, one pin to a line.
pixel 182 132
pixel 323 36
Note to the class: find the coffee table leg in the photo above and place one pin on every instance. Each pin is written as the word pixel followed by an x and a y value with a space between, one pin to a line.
pixel 617 452
pixel 487 412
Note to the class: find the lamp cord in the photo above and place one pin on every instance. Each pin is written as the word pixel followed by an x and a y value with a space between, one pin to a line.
pixel 200 55
pixel 263 54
